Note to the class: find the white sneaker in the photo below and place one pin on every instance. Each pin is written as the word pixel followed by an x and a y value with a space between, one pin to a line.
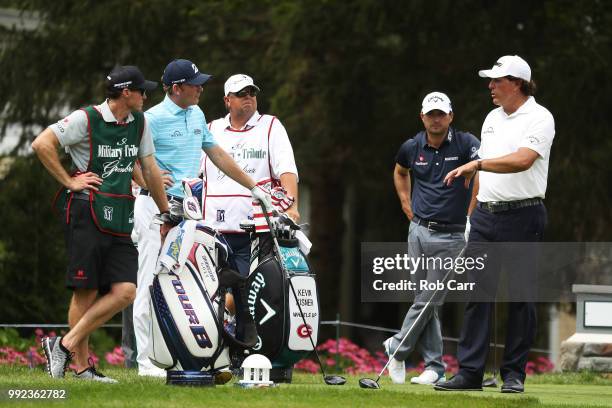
pixel 397 369
pixel 152 372
pixel 427 377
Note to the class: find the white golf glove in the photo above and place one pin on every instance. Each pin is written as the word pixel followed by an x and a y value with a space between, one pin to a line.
pixel 467 228
pixel 263 197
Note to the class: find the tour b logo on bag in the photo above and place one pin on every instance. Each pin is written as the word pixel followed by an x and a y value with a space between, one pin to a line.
pixel 108 213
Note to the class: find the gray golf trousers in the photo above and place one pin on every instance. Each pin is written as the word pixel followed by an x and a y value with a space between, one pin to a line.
pixel 427 334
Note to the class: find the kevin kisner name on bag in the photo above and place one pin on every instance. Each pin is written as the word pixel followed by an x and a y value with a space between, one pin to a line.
pixel 403 263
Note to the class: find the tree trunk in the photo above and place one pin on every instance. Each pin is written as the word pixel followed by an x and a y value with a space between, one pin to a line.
pixel 326 231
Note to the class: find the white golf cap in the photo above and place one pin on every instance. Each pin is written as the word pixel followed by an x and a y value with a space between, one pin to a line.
pixel 237 83
pixel 512 65
pixel 436 100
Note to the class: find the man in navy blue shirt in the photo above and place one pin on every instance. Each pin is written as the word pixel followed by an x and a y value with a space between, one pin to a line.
pixel 437 215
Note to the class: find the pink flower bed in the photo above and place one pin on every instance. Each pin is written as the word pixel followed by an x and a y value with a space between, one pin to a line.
pixel 353 359
pixel 344 356
pixel 33 355
pixel 539 366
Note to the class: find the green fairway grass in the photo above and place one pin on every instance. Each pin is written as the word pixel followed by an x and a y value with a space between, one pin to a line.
pixel 307 390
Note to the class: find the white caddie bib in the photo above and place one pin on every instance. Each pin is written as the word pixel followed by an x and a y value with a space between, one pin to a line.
pixel 227 203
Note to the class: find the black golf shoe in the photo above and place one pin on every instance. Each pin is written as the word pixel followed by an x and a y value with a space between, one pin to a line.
pixel 512 385
pixel 458 383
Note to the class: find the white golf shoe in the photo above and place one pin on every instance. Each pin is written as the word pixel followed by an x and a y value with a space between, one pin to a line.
pixel 397 369
pixel 152 371
pixel 427 377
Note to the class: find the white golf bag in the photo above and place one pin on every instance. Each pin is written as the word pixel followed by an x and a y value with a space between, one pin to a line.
pixel 188 299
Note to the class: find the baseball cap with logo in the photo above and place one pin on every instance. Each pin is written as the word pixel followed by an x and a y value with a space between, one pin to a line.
pixel 128 76
pixel 182 71
pixel 436 100
pixel 509 65
pixel 238 82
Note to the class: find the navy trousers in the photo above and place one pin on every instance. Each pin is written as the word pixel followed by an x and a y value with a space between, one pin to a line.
pixel 241 248
pixel 518 225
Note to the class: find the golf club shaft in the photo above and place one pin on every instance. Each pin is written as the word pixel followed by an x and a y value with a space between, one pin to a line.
pixel 495 340
pixel 286 272
pixel 416 320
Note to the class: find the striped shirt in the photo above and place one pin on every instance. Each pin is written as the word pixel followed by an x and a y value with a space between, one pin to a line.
pixel 179 135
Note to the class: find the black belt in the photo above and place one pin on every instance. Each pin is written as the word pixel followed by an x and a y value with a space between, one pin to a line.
pixel 499 206
pixel 80 196
pixel 438 226
pixel 170 197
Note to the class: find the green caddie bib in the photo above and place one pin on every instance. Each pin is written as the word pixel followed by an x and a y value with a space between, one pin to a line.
pixel 113 152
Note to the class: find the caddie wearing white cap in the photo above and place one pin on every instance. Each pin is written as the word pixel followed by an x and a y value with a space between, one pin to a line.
pixel 516 139
pixel 261 147
pixel 437 216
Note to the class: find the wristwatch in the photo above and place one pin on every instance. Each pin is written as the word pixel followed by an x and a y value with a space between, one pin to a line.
pixel 479 161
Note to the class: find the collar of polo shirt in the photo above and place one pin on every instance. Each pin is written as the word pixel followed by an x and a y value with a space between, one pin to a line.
pixel 528 106
pixel 107 114
pixel 250 123
pixel 447 139
pixel 173 107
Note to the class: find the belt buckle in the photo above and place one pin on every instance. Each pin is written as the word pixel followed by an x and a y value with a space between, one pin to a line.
pixel 429 224
pixel 492 206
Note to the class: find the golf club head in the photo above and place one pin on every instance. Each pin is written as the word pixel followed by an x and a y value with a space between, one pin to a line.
pixel 369 383
pixel 191 209
pixel 247 226
pixel 490 382
pixel 334 380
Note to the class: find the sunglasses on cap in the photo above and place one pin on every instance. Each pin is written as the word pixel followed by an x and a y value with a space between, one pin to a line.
pixel 248 91
pixel 143 92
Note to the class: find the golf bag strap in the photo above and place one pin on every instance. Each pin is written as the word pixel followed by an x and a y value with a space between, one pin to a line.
pixel 229 278
pixel 250 335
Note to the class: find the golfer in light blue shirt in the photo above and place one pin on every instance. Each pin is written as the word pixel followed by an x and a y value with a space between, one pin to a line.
pixel 179 131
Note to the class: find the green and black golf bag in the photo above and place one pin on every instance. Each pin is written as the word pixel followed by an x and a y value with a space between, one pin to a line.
pixel 283 336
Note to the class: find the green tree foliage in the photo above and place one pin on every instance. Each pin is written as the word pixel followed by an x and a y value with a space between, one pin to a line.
pixel 32 285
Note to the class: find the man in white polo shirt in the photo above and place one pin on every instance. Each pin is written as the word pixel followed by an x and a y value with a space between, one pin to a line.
pixel 514 154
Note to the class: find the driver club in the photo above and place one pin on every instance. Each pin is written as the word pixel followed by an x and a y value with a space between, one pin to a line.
pixel 369 383
pixel 329 379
